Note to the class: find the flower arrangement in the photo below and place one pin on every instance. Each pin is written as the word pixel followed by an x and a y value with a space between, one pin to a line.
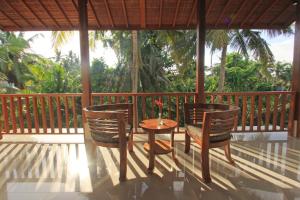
pixel 160 105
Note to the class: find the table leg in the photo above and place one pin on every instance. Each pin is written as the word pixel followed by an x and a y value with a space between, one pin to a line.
pixel 151 141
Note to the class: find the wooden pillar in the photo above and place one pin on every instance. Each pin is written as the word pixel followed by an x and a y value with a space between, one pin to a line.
pixel 84 53
pixel 296 70
pixel 201 29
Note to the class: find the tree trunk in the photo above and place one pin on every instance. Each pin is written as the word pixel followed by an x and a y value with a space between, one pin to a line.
pixel 222 69
pixel 135 63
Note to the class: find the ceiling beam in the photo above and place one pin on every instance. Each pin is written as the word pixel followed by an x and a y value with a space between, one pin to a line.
pixel 238 12
pixel 48 12
pixel 125 13
pixel 223 11
pixel 264 12
pixel 251 12
pixel 143 13
pixel 160 12
pixel 176 13
pixel 192 13
pixel 94 12
pixel 75 5
pixel 109 13
pixel 18 13
pixel 35 15
pixel 209 7
pixel 63 12
pixel 11 20
pixel 281 13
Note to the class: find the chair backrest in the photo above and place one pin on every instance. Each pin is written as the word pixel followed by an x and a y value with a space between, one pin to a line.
pixel 220 117
pixel 110 119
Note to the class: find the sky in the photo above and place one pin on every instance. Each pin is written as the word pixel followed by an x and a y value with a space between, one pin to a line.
pixel 282 48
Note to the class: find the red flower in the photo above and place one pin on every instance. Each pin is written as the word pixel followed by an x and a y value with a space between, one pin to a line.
pixel 159 103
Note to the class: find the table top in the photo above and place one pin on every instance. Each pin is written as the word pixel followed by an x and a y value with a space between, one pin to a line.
pixel 153 125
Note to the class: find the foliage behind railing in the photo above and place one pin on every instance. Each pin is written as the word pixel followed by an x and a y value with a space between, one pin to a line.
pixel 61 113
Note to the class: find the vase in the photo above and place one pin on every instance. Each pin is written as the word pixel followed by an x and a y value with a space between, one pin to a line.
pixel 160 121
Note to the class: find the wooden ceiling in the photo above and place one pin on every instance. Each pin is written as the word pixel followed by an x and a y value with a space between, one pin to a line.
pixel 28 15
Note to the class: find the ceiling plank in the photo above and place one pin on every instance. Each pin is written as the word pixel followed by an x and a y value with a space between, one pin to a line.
pixel 11 20
pixel 49 13
pixel 160 12
pixel 238 12
pixel 109 13
pixel 223 11
pixel 125 13
pixel 94 12
pixel 18 13
pixel 63 12
pixel 176 13
pixel 143 13
pixel 35 15
pixel 264 12
pixel 280 14
pixel 192 13
pixel 250 13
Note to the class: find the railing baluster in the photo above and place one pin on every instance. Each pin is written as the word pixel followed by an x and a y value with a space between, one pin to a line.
pixel 229 99
pixel 291 115
pixel 66 102
pixel 275 113
pixel 28 117
pixel 177 112
pixel 13 114
pixel 74 115
pixel 259 112
pixel 143 107
pixel 252 112
pixel 152 107
pixel 244 113
pixel 220 98
pixel 44 117
pixel 267 120
pixel 236 121
pixel 35 115
pixel 59 117
pixel 169 107
pixel 20 112
pixel 101 99
pixel 51 114
pixel 283 109
pixel 5 114
pixel 135 113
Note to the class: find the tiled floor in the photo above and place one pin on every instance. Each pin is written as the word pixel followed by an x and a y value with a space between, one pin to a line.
pixel 267 167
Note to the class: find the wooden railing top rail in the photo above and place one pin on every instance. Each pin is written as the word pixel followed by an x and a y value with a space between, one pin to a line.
pixel 42 94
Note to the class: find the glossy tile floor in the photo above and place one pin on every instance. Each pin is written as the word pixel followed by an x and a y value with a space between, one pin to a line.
pixel 40 167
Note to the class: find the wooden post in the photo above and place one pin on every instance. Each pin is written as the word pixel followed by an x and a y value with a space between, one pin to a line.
pixel 84 53
pixel 201 28
pixel 296 70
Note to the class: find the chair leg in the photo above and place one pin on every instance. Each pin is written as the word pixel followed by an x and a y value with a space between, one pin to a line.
pixel 228 154
pixel 187 142
pixel 123 162
pixel 205 165
pixel 130 142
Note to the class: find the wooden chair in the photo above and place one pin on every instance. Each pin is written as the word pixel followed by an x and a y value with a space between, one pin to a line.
pixel 111 126
pixel 210 126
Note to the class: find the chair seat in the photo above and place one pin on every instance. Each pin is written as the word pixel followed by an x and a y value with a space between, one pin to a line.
pixel 196 132
pixel 110 138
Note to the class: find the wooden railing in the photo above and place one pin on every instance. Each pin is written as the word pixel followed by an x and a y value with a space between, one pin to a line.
pixel 61 113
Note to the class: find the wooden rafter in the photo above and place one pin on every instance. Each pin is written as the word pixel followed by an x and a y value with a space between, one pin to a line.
pixel 49 13
pixel 125 13
pixel 143 13
pixel 109 13
pixel 35 15
pixel 63 12
pixel 210 7
pixel 223 11
pixel 192 13
pixel 18 13
pixel 176 13
pixel 94 12
pixel 251 12
pixel 238 12
pixel 75 5
pixel 160 12
pixel 280 14
pixel 11 20
pixel 265 11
